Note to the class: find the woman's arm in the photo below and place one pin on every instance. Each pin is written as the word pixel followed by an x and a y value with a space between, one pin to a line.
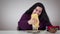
pixel 23 22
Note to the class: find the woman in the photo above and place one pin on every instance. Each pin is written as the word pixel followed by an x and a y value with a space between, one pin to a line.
pixel 39 9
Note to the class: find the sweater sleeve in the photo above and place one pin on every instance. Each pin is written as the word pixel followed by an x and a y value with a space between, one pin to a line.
pixel 23 22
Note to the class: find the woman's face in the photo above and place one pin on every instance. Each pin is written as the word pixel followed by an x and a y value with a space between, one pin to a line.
pixel 37 10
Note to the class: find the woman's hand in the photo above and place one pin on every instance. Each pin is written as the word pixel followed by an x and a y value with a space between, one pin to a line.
pixel 32 21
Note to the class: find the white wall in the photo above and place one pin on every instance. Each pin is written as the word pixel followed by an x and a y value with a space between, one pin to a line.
pixel 11 11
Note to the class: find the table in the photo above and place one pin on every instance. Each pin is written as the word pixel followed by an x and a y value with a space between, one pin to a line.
pixel 26 32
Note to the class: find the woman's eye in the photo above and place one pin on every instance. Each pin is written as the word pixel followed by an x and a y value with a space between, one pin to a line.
pixel 36 10
pixel 39 11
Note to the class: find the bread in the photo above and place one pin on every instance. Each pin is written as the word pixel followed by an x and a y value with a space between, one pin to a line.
pixel 35 16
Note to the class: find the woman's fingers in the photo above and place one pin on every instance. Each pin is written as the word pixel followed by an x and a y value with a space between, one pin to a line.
pixel 32 21
pixel 29 22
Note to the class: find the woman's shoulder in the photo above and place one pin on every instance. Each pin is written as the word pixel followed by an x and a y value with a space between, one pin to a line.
pixel 26 16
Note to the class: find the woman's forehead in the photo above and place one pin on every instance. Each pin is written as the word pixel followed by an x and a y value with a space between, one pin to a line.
pixel 39 8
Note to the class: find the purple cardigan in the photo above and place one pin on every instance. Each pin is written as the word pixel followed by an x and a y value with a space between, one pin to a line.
pixel 23 23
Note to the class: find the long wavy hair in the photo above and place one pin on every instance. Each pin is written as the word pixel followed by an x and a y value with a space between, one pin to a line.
pixel 43 16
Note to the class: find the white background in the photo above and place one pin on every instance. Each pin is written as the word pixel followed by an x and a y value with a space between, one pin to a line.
pixel 12 10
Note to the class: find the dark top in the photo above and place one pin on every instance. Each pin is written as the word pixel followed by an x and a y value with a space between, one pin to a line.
pixel 23 23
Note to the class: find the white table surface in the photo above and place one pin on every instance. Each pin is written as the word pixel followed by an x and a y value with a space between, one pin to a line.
pixel 26 32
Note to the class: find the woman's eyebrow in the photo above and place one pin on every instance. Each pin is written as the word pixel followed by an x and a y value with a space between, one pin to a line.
pixel 36 9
